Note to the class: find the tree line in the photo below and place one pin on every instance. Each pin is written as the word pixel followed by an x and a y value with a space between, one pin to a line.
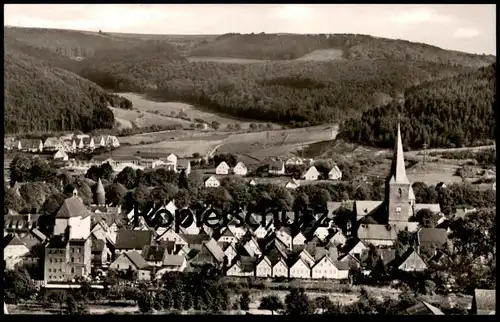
pixel 453 112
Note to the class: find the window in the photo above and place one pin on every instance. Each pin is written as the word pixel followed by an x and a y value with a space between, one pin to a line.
pixel 72 270
pixel 400 192
pixel 50 277
pixel 50 270
pixel 72 259
pixel 60 269
pixel 50 260
pixel 398 210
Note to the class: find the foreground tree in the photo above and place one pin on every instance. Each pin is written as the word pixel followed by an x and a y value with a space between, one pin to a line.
pixel 271 303
pixel 297 303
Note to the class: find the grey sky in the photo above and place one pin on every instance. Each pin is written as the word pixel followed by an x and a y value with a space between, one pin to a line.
pixel 470 28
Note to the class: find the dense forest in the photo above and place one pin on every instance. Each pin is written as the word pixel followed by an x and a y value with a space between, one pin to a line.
pixel 296 91
pixel 452 112
pixel 39 97
pixel 352 46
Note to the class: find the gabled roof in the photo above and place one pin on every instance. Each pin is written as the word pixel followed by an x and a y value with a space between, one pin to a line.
pixel 294 261
pixel 133 239
pixel 153 253
pixel 240 164
pixel 173 260
pixel 365 207
pixel 12 240
pixel 223 164
pixel 215 250
pixel 72 207
pixel 263 259
pixel 334 169
pixel 423 308
pixel 342 266
pixel 406 256
pixel 432 236
pixel 195 239
pixel 485 299
pixel 136 259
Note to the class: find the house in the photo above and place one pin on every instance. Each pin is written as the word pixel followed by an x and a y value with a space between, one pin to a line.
pixel 102 254
pixel 284 234
pixel 294 161
pixel 410 261
pixel 252 182
pixel 329 269
pixel 300 269
pixel 483 302
pixel 226 235
pixel 10 143
pixel 14 250
pixel 280 268
pixel 423 308
pixel 254 246
pixel 112 141
pixel 311 174
pixel 299 239
pixel 222 168
pixel 352 261
pixel 292 184
pixel 240 169
pixel 154 254
pixel 184 165
pixel 171 235
pixel 212 182
pixel 335 173
pixel 354 247
pixel 244 266
pixel 264 268
pixel 172 263
pixel 276 167
pixel 52 144
pixel 127 240
pixel 230 252
pixel 210 253
pixel 130 260
pixel 321 233
pixel 307 257
pixel 61 155
pixel 31 145
pixel 86 143
pixel 69 145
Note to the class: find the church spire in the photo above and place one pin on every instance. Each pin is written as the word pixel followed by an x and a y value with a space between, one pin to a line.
pixel 398 171
pixel 100 194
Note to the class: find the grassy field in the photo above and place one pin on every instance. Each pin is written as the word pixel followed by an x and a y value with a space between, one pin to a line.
pixel 226 60
pixel 323 54
pixel 171 109
pixel 144 118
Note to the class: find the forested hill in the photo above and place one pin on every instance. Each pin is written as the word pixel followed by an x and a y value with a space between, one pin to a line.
pixel 453 112
pixel 40 97
pixel 350 46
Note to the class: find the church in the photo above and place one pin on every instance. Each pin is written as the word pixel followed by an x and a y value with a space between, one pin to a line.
pixel 378 222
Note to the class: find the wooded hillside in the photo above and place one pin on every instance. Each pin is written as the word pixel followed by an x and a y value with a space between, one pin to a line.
pixel 39 97
pixel 453 112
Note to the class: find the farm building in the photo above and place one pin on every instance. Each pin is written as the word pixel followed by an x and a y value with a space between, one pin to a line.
pixel 212 182
pixel 61 155
pixel 311 174
pixel 335 173
pixel 52 144
pixel 31 145
pixel 276 167
pixel 292 184
pixel 240 169
pixel 222 168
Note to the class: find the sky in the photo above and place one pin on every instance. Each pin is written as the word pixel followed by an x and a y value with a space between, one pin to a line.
pixel 469 28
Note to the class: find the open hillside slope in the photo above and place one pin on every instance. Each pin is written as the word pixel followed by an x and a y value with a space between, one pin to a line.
pixel 39 97
pixel 452 112
pixel 352 46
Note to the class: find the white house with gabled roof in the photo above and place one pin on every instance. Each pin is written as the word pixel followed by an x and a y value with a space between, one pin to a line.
pixel 300 269
pixel 264 268
pixel 292 184
pixel 212 182
pixel 240 169
pixel 327 268
pixel 311 174
pixel 280 269
pixel 222 168
pixel 335 173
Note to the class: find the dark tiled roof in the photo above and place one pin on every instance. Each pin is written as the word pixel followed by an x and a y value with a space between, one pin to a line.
pixel 133 239
pixel 432 236
pixel 173 260
pixel 12 240
pixel 136 259
pixel 153 253
pixel 195 239
pixel 57 242
pixel 72 207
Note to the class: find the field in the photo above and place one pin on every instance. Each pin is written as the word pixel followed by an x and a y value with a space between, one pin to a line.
pixel 144 119
pixel 164 112
pixel 225 60
pixel 323 54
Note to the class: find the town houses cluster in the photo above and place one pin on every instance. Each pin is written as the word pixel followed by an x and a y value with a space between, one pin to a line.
pixel 87 242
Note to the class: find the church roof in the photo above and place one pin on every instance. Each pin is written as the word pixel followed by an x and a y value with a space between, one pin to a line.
pixel 72 207
pixel 398 171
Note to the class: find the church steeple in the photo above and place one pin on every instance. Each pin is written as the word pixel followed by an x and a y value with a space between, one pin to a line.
pixel 100 194
pixel 398 170
pixel 398 197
